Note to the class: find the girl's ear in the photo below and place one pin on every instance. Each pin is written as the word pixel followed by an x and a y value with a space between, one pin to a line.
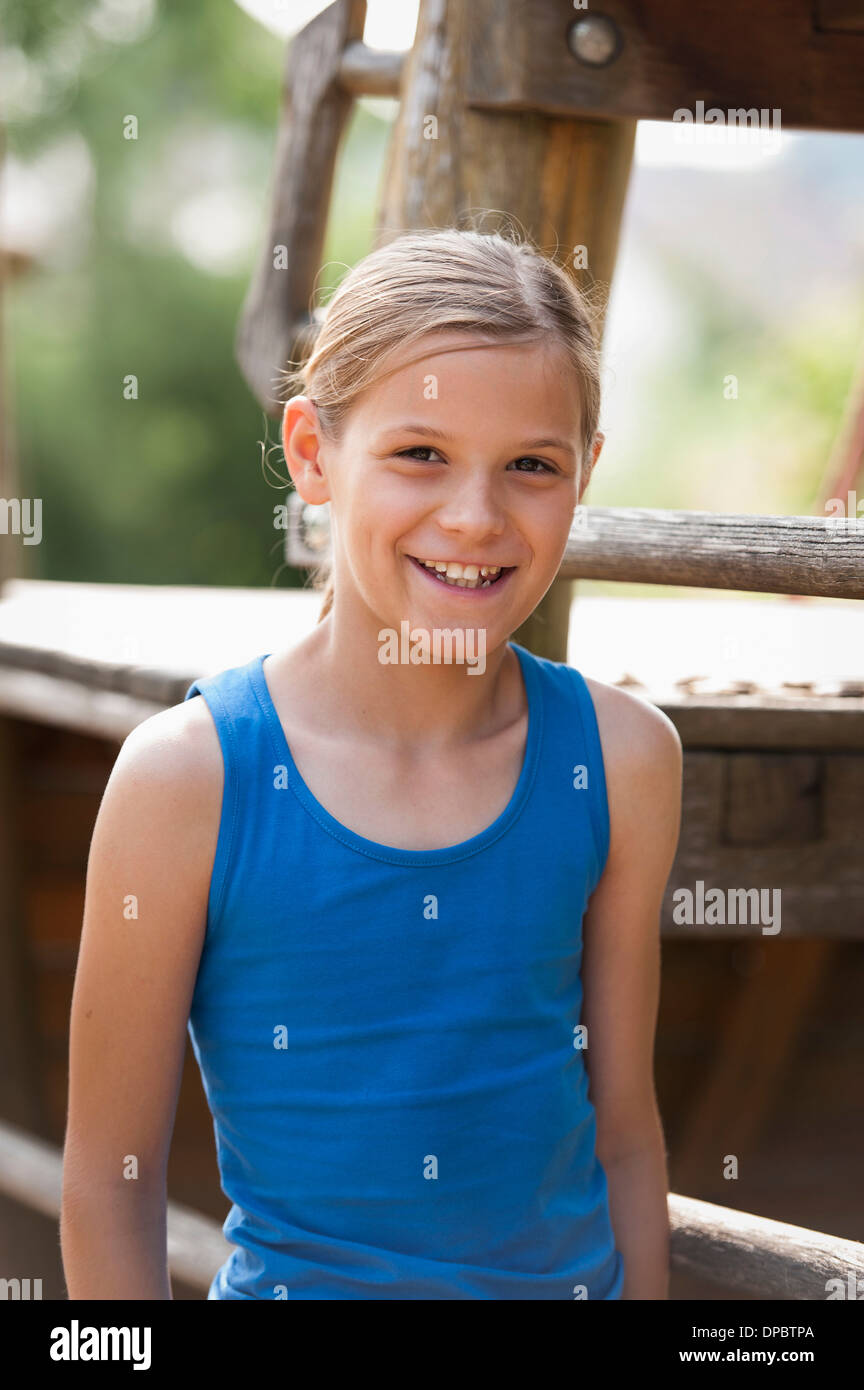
pixel 301 445
pixel 599 441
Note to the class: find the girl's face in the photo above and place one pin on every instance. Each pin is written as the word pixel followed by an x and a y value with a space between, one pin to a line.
pixel 465 457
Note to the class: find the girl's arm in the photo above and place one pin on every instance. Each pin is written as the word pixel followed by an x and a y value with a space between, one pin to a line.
pixel 621 978
pixel 145 913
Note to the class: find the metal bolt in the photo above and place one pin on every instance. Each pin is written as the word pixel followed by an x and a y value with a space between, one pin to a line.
pixel 594 40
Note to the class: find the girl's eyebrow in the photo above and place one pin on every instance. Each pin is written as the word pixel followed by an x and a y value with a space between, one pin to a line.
pixel 410 427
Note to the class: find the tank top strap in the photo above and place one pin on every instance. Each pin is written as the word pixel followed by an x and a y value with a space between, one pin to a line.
pixel 572 753
pixel 247 761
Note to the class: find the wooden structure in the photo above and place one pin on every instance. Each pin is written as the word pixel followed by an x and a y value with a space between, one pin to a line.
pixel 534 111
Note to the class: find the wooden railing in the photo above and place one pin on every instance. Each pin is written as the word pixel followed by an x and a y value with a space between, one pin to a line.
pixel 815 556
pixel 811 556
pixel 746 1254
pixel 31 1172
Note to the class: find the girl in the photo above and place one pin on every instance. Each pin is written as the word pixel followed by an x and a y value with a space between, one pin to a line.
pixel 409 908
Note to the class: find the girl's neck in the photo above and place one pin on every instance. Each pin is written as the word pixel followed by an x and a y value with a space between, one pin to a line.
pixel 336 676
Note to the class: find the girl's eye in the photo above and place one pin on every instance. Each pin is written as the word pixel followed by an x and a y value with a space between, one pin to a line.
pixel 542 462
pixel 416 449
pixel 426 449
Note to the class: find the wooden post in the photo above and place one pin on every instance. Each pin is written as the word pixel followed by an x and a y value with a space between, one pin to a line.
pixel 276 324
pixel 563 179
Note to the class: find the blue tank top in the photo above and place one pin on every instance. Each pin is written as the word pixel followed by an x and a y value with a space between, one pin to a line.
pixel 388 1039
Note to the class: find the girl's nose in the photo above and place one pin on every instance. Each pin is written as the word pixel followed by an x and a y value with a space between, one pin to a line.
pixel 473 509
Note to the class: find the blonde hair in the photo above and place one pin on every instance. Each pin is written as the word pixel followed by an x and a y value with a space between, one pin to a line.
pixel 443 280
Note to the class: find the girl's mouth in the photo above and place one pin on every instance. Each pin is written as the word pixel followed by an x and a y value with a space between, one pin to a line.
pixel 468 577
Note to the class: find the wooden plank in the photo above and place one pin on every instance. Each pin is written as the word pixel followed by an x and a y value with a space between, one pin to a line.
pixel 818 556
pixel 766 723
pixel 773 798
pixel 820 881
pixel 66 658
pixel 31 1172
pixel 276 323
pixel 69 704
pixel 728 53
pixel 753 1255
pixel 370 71
pixel 722 722
pixel 709 550
pixel 802 651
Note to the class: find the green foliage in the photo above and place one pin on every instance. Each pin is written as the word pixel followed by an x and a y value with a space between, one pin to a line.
pixel 168 487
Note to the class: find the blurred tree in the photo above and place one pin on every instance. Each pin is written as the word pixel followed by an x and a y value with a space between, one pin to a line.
pixel 143 278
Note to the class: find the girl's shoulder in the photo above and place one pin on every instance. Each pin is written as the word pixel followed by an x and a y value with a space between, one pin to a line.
pixel 170 768
pixel 629 720
pixel 642 751
pixel 179 744
pixel 632 730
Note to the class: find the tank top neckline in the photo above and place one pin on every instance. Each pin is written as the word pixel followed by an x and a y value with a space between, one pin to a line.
pixel 391 853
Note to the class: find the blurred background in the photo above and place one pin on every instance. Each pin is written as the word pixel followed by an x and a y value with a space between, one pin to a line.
pixel 134 256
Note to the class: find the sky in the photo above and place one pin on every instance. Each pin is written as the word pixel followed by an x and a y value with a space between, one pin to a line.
pixel 389 23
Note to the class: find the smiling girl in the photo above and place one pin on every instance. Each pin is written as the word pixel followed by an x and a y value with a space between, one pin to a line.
pixel 410 918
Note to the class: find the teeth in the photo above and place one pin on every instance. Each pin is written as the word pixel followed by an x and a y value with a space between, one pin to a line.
pixel 454 570
pixel 463 576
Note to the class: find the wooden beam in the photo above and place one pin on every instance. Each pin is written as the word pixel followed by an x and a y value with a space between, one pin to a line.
pixel 759 721
pixel 370 72
pixel 70 704
pixel 31 1172
pixel 752 1255
pixel 91 701
pixel 816 556
pixel 733 56
pixel 813 884
pixel 65 658
pixel 277 322
pixel 562 180
pixel 765 554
